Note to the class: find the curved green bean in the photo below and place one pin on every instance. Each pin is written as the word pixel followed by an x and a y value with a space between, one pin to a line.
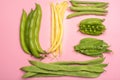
pixel 27 29
pixel 37 29
pixel 32 27
pixel 22 31
pixel 75 14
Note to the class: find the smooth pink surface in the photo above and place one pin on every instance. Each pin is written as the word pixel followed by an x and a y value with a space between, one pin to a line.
pixel 12 56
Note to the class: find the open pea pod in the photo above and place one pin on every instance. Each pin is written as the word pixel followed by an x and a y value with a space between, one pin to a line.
pixel 92 47
pixel 92 26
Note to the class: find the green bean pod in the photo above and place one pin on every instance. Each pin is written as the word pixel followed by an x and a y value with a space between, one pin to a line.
pixel 90 68
pixel 35 69
pixel 22 32
pixel 102 6
pixel 27 29
pixel 37 29
pixel 90 9
pixel 87 2
pixel 75 14
pixel 33 74
pixel 88 62
pixel 32 27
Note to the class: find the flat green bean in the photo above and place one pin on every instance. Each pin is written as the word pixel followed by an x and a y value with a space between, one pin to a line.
pixel 27 29
pixel 89 62
pixel 103 6
pixel 33 74
pixel 32 36
pixel 90 9
pixel 35 69
pixel 75 14
pixel 87 2
pixel 37 29
pixel 53 67
pixel 22 31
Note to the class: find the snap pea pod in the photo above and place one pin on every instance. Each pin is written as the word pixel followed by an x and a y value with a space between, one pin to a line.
pixel 22 31
pixel 37 29
pixel 35 69
pixel 31 36
pixel 90 9
pixel 87 2
pixel 27 29
pixel 89 62
pixel 90 68
pixel 75 14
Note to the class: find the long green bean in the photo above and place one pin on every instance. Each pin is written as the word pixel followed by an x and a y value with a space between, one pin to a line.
pixel 33 47
pixel 53 67
pixel 33 74
pixel 37 29
pixel 35 69
pixel 94 61
pixel 22 31
pixel 27 29
pixel 75 14
pixel 87 2
pixel 90 9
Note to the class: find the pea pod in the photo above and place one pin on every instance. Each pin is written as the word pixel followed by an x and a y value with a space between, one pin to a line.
pixel 92 26
pixel 92 47
pixel 22 31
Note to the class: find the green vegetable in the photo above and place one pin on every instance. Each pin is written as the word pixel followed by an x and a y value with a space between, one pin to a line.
pixel 22 31
pixel 90 68
pixel 31 37
pixel 102 6
pixel 75 14
pixel 27 29
pixel 91 9
pixel 87 2
pixel 89 62
pixel 32 74
pixel 92 47
pixel 92 26
pixel 37 29
pixel 34 69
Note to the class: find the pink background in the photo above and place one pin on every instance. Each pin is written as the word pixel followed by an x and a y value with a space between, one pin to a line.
pixel 12 56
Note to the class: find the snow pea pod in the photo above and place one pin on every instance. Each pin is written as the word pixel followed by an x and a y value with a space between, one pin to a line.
pixel 22 31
